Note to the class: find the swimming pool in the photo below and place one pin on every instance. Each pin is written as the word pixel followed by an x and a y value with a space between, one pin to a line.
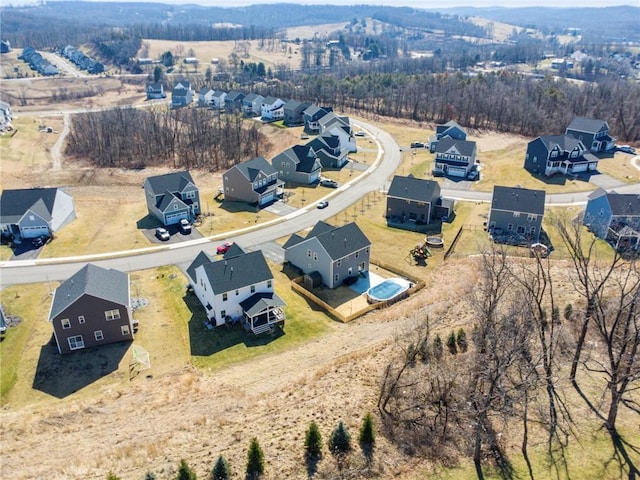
pixel 390 289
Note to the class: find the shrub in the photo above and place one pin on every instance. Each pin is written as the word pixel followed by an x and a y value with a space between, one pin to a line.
pixel 313 441
pixel 367 437
pixel 221 470
pixel 451 343
pixel 437 347
pixel 461 340
pixel 185 472
pixel 255 460
pixel 340 440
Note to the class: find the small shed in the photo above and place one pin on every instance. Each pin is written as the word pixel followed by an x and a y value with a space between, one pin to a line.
pixel 312 280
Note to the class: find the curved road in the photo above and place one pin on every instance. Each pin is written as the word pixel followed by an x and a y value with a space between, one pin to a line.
pixel 387 162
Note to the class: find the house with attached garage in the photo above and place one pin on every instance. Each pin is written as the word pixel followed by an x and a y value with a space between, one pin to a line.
pixel 182 94
pixel 294 112
pixel 34 212
pixel 340 126
pixel 272 109
pixel 155 90
pixel 412 200
pixel 172 197
pixel 455 158
pixel 298 164
pixel 237 288
pixel 92 308
pixel 564 154
pixel 252 105
pixel 254 181
pixel 594 134
pixel 614 217
pixel 336 253
pixel 330 151
pixel 311 117
pixel 515 216
pixel 451 129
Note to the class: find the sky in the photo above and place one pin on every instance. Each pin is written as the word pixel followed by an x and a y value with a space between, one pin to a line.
pixel 397 3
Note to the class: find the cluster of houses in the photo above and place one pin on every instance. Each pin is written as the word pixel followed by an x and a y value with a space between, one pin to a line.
pixel 82 60
pixel 37 62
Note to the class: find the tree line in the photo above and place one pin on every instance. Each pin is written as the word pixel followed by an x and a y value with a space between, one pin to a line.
pixel 185 138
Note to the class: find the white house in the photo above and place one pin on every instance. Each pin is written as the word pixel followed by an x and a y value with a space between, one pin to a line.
pixel 272 109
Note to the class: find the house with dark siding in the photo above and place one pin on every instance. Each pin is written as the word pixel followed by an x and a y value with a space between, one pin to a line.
pixel 515 216
pixel 329 150
pixel 294 112
pixel 415 200
pixel 172 197
pixel 594 134
pixel 455 158
pixel 91 308
pixel 254 181
pixel 558 154
pixel 298 164
pixel 451 129
pixel 614 217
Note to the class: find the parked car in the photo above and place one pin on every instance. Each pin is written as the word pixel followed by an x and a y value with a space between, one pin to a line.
pixel 473 175
pixel 162 234
pixel 325 182
pixel 185 226
pixel 223 248
pixel 417 145
pixel 359 134
pixel 322 204
pixel 626 149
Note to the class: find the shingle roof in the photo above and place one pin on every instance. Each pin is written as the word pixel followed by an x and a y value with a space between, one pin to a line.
pixel 259 302
pixel 99 282
pixel 464 147
pixel 514 199
pixel 582 124
pixel 293 240
pixel 201 259
pixel 411 188
pixel 566 143
pixel 251 168
pixel 15 203
pixel 339 241
pixel 624 203
pixel 170 182
pixel 237 272
pixel 300 154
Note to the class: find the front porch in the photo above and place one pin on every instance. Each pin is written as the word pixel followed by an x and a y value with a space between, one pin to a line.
pixel 263 312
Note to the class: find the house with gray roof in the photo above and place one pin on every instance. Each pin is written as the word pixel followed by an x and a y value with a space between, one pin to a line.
pixel 238 287
pixel 515 216
pixel 311 117
pixel 254 181
pixel 294 112
pixel 594 134
pixel 558 154
pixel 172 197
pixel 298 164
pixel 34 212
pixel 205 97
pixel 329 150
pixel 252 105
pixel 217 99
pixel 233 101
pixel 454 158
pixel 92 308
pixel 182 94
pixel 155 90
pixel 336 253
pixel 272 109
pixel 340 126
pixel 451 129
pixel 614 217
pixel 415 201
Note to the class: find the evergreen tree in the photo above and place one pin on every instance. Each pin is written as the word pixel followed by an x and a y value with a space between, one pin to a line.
pixel 437 347
pixel 451 343
pixel 221 470
pixel 112 476
pixel 313 441
pixel 367 437
pixel 149 476
pixel 255 460
pixel 461 340
pixel 340 440
pixel 185 472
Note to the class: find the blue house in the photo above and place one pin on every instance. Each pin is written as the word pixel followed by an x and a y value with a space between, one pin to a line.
pixel 614 217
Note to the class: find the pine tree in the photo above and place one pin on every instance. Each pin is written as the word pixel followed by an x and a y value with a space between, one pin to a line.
pixel 112 476
pixel 461 340
pixel 221 470
pixel 255 460
pixel 451 343
pixel 185 472
pixel 340 443
pixel 437 347
pixel 367 437
pixel 313 441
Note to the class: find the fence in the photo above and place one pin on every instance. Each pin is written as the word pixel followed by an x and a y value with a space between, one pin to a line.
pixel 453 244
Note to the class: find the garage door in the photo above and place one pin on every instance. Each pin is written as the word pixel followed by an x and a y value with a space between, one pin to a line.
pixel 174 218
pixel 579 168
pixel 267 199
pixel 457 172
pixel 33 232
pixel 314 177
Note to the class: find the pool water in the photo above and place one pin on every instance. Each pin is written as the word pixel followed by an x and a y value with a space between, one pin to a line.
pixel 387 290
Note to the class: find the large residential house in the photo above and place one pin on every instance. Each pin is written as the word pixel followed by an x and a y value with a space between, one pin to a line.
pixel 594 134
pixel 252 105
pixel 172 197
pixel 182 94
pixel 455 158
pixel 298 164
pixel 233 101
pixel 254 181
pixel 564 154
pixel 451 129
pixel 34 212
pixel 155 90
pixel 294 112
pixel 272 109
pixel 329 150
pixel 205 97
pixel 415 200
pixel 614 217
pixel 312 116
pixel 341 126
pixel 217 100
pixel 336 253
pixel 516 215
pixel 237 287
pixel 91 308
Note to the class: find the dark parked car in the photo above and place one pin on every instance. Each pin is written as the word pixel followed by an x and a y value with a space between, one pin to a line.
pixel 162 234
pixel 325 182
pixel 417 145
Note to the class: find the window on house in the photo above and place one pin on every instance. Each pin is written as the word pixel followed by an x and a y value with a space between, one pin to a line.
pixel 253 289
pixel 532 229
pixel 98 335
pixel 308 253
pixel 76 342
pixel 516 214
pixel 339 263
pixel 224 297
pixel 510 227
pixel 357 254
pixel 532 218
pixel 125 330
pixel 269 283
pixel 237 292
pixel 336 277
pixel 32 218
pixel 190 194
pixel 223 314
pixel 112 314
pixel 81 319
pixel 315 256
pixel 65 323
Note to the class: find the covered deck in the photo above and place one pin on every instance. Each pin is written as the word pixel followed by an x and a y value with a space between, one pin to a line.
pixel 263 312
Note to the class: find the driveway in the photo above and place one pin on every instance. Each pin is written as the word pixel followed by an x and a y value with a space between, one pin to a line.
pixel 176 236
pixel 280 208
pixel 604 181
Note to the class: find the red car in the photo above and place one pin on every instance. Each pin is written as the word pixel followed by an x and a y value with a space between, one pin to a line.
pixel 224 247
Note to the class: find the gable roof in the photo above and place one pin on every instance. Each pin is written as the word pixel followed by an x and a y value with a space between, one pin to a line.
pixel 565 143
pixel 302 155
pixel 515 199
pixel 293 240
pixel 464 147
pixel 238 271
pixel 624 203
pixel 251 168
pixel 15 203
pixel 411 188
pixel 108 284
pixel 200 259
pixel 338 241
pixel 252 97
pixel 259 302
pixel 170 182
pixel 582 124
